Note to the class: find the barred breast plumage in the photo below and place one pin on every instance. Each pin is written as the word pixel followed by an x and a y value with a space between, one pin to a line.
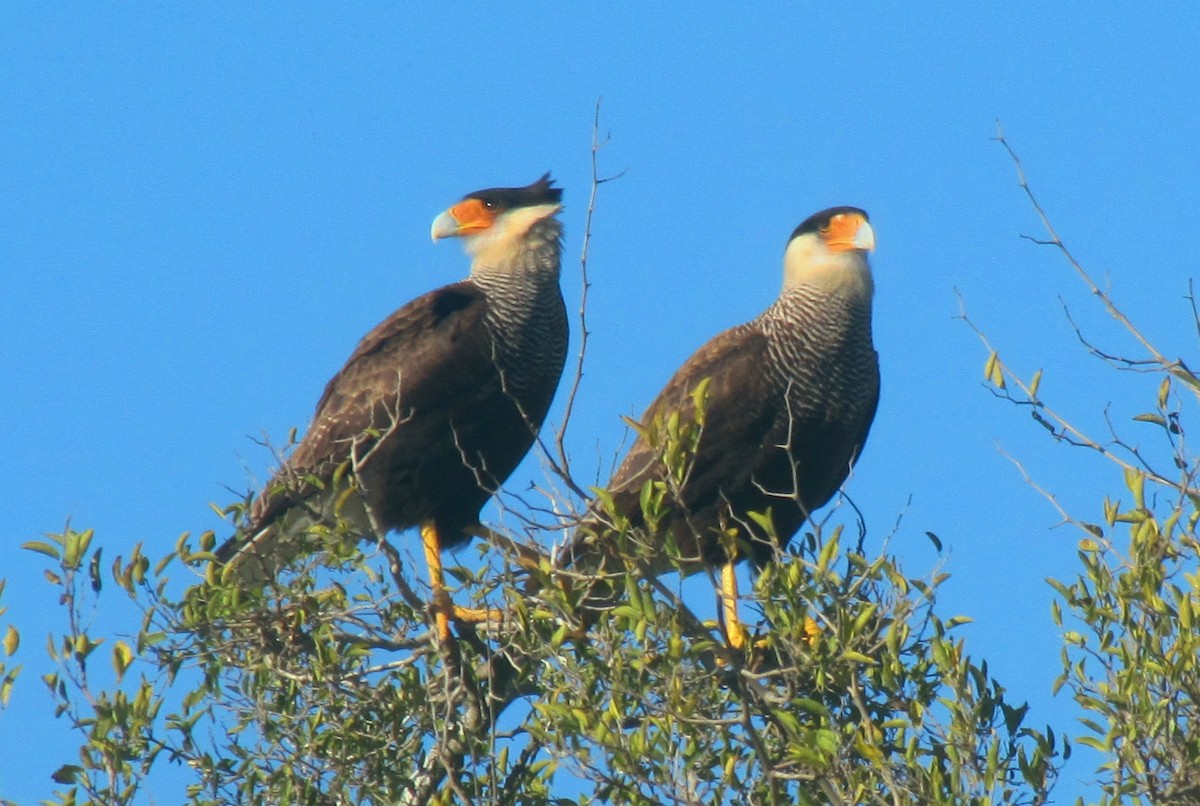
pixel 440 401
pixel 789 402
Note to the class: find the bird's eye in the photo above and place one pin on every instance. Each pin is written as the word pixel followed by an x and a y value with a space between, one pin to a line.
pixel 827 224
pixel 489 203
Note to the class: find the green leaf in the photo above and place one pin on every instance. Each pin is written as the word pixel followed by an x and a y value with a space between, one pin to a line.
pixel 66 774
pixel 122 657
pixel 1164 389
pixel 1135 482
pixel 42 548
pixel 811 706
pixel 1035 383
pixel 700 400
pixel 6 686
pixel 993 370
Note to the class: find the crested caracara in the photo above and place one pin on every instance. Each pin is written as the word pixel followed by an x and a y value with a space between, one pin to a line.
pixel 790 397
pixel 438 404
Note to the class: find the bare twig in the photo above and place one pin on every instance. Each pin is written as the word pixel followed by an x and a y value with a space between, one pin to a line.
pixel 1176 367
pixel 1191 298
pixel 1056 423
pixel 1144 365
pixel 1049 496
pixel 560 460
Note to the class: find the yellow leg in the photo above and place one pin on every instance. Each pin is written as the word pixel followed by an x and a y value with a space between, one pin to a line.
pixel 437 580
pixel 812 630
pixel 735 633
pixel 443 608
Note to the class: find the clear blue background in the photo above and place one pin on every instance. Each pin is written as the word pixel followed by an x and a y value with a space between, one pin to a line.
pixel 202 208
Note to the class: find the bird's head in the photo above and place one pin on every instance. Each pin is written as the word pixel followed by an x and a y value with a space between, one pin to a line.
pixel 829 250
pixel 495 220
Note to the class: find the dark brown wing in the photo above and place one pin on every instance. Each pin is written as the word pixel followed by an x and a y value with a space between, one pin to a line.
pixel 740 411
pixel 736 418
pixel 409 364
pixel 763 448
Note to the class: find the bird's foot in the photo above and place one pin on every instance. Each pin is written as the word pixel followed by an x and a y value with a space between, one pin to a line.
pixel 738 637
pixel 476 615
pixel 443 615
pixel 812 631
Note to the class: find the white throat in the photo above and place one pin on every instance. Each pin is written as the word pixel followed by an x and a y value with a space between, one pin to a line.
pixel 497 245
pixel 807 262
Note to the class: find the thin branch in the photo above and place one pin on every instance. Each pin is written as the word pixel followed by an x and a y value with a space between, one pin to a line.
pixel 1176 367
pixel 1144 365
pixel 1049 496
pixel 396 568
pixel 562 462
pixel 1191 298
pixel 1056 423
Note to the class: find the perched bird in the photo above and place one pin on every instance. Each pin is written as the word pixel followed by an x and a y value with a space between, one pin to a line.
pixel 777 409
pixel 438 404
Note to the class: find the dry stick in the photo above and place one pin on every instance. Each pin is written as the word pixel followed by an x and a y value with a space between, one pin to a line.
pixel 1176 368
pixel 1066 430
pixel 1191 298
pixel 561 463
pixel 502 674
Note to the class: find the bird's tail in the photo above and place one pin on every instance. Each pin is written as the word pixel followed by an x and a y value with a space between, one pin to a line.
pixel 600 559
pixel 255 557
pixel 286 525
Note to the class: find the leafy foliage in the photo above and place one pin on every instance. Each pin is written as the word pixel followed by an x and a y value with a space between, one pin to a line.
pixel 1131 656
pixel 879 704
pixel 326 686
pixel 8 647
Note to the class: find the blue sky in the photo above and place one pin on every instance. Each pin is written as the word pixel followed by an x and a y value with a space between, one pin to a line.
pixel 205 206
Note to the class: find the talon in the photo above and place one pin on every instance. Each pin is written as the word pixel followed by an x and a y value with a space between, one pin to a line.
pixel 812 630
pixel 735 632
pixel 738 637
pixel 441 605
